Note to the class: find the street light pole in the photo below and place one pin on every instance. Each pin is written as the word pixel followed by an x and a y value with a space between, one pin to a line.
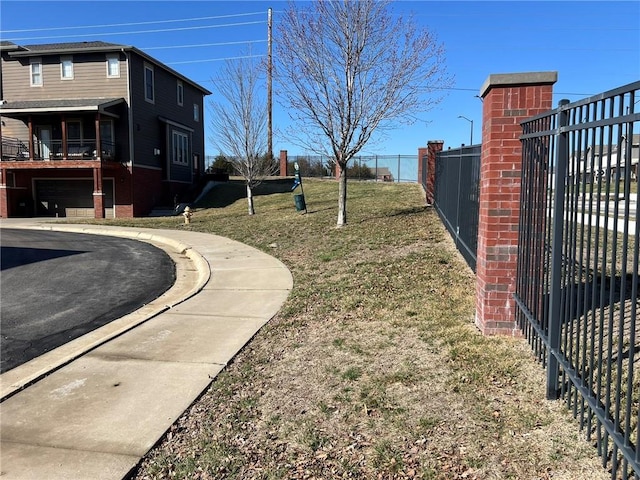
pixel 471 121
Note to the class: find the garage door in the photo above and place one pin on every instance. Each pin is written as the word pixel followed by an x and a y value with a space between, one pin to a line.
pixel 70 198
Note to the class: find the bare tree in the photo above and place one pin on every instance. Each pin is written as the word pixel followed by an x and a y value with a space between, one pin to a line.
pixel 347 69
pixel 239 123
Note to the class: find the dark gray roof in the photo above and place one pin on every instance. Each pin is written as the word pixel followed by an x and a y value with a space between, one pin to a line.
pixel 72 46
pixel 6 45
pixel 76 104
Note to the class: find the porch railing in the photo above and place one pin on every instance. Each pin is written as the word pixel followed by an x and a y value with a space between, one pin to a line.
pixel 14 149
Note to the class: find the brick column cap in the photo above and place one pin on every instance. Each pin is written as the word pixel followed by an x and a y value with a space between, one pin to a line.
pixel 529 78
pixel 430 142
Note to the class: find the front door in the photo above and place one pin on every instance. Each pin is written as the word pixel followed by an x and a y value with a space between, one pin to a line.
pixel 43 135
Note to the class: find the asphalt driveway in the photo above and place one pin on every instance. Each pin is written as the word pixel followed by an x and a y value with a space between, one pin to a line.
pixel 57 286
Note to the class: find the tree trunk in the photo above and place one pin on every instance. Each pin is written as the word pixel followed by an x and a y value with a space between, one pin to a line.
pixel 250 200
pixel 342 195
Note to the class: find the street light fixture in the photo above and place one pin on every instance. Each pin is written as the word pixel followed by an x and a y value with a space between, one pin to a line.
pixel 471 121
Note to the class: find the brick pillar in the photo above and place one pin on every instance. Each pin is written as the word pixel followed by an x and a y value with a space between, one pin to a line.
pixel 507 100
pixel 283 163
pixel 98 194
pixel 433 147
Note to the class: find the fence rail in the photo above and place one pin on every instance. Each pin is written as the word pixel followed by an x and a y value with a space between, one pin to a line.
pixel 577 282
pixel 384 168
pixel 457 186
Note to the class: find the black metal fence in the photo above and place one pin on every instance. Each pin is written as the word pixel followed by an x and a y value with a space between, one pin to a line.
pixel 578 279
pixel 382 168
pixel 457 188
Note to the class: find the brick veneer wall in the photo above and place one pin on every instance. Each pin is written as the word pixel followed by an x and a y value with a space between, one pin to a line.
pixel 147 187
pixel 507 100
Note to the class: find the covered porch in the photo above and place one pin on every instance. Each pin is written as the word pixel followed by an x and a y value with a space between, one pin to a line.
pixel 62 130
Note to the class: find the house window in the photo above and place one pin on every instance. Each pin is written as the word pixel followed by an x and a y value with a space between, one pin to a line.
pixel 106 133
pixel 66 68
pixel 180 148
pixel 113 66
pixel 180 93
pixel 36 72
pixel 148 84
pixel 74 132
pixel 196 112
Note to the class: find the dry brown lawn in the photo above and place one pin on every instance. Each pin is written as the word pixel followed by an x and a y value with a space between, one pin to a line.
pixel 373 368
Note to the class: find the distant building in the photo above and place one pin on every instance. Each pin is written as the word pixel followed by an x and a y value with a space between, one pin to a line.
pixel 383 174
pixel 601 161
pixel 95 129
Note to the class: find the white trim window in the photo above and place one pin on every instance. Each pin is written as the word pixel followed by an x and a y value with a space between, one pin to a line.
pixel 113 66
pixel 180 148
pixel 196 112
pixel 66 68
pixel 149 89
pixel 180 92
pixel 35 72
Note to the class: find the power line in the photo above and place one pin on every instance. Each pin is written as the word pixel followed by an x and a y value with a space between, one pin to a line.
pixel 476 89
pixel 109 25
pixel 140 31
pixel 204 45
pixel 213 60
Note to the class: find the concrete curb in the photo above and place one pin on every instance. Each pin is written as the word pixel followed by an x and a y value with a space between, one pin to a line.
pixel 30 372
pixel 103 402
pixel 97 413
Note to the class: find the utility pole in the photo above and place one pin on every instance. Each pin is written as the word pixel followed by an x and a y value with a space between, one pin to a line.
pixel 269 82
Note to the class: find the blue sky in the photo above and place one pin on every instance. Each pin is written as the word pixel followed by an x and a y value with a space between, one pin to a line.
pixel 594 46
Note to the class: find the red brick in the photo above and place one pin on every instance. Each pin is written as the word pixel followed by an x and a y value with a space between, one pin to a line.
pixel 283 163
pixel 504 107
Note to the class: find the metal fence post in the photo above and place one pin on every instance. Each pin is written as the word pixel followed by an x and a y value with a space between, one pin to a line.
pixel 376 168
pixel 555 319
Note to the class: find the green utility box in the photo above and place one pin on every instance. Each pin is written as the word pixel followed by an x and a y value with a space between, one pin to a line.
pixel 299 201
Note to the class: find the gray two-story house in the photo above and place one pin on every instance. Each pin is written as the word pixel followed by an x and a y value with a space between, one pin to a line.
pixel 95 129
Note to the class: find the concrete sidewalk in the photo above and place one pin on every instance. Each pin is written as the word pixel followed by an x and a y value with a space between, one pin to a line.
pixel 92 408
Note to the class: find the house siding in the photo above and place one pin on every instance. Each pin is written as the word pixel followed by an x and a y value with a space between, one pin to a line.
pixel 89 78
pixel 14 128
pixel 144 116
pixel 143 175
pixel 165 106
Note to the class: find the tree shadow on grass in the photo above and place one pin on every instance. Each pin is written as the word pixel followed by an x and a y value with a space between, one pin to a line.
pixel 225 194
pixel 402 212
